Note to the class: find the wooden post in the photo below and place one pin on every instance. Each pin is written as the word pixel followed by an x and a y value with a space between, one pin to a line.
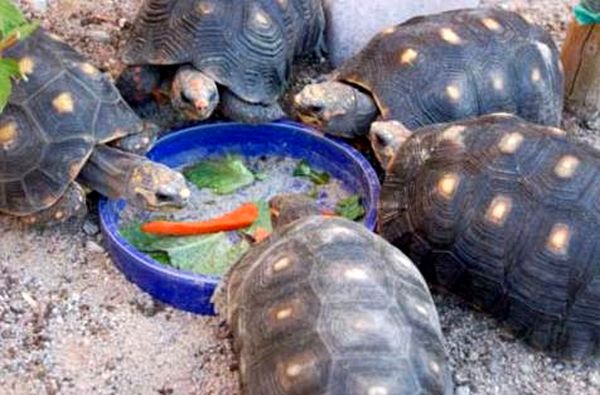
pixel 581 60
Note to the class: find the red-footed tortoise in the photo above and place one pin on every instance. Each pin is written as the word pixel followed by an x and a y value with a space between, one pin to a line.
pixel 244 46
pixel 53 136
pixel 325 306
pixel 442 68
pixel 506 214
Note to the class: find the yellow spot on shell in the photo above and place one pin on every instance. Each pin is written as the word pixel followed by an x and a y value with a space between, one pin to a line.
pixel 454 133
pixel 408 56
pixel 378 390
pixel 284 313
pixel 262 18
pixel 491 24
pixel 88 69
pixel 362 325
pixel 566 166
pixel 63 103
pixel 283 3
pixel 8 133
pixel 498 82
pixel 55 37
pixel 356 274
pixel 450 36
pixel 447 185
pixel 510 143
pixel 558 241
pixel 389 30
pixel 536 75
pixel 26 66
pixel 293 370
pixel 59 215
pixel 421 309
pixel 205 8
pixel 282 264
pixel 557 132
pixel 453 92
pixel 499 210
pixel 435 367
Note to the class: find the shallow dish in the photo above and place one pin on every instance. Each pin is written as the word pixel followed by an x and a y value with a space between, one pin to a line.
pixel 192 292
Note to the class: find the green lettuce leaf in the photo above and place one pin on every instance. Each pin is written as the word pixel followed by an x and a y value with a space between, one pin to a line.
pixel 211 254
pixel 263 221
pixel 350 208
pixel 224 176
pixel 304 170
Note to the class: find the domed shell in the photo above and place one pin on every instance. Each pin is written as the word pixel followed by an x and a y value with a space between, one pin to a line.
pixel 246 45
pixel 506 214
pixel 461 64
pixel 327 307
pixel 52 122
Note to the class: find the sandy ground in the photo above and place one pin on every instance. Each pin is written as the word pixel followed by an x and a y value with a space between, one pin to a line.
pixel 71 324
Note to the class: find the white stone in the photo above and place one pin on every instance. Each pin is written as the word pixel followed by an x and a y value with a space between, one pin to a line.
pixel 352 23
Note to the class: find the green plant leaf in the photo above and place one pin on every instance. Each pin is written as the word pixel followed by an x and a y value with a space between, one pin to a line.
pixel 224 176
pixel 5 86
pixel 304 170
pixel 263 221
pixel 142 241
pixel 24 31
pixel 211 254
pixel 10 17
pixel 350 208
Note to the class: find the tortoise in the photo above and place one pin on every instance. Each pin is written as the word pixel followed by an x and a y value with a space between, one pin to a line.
pixel 54 136
pixel 237 52
pixel 441 68
pixel 324 306
pixel 504 213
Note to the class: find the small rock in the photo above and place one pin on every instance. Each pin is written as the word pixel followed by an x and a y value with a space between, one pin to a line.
pixel 90 228
pixel 93 247
pixel 99 35
pixel 39 5
pixel 463 390
pixel 594 378
pixel 525 368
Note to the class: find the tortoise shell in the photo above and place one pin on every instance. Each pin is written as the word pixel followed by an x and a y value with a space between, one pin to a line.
pixel 52 122
pixel 506 214
pixel 326 307
pixel 247 46
pixel 460 64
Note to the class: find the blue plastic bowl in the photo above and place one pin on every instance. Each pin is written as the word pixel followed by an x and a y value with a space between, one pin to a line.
pixel 192 292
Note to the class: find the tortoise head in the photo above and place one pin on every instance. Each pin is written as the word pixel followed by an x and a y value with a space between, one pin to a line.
pixel 194 94
pixel 288 208
pixel 340 109
pixel 157 187
pixel 386 139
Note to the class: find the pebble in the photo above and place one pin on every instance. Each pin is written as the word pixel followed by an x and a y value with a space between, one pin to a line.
pixel 99 35
pixel 39 5
pixel 90 228
pixel 594 378
pixel 93 247
pixel 463 390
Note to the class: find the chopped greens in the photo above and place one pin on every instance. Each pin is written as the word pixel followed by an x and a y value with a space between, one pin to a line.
pixel 304 170
pixel 13 27
pixel 210 254
pixel 350 208
pixel 224 176
pixel 264 220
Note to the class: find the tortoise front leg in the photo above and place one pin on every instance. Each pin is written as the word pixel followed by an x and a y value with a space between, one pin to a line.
pixel 70 205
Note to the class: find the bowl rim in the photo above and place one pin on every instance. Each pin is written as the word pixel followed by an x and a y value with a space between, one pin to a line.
pixel 110 228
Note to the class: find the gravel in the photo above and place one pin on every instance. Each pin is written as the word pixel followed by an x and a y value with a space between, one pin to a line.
pixel 70 323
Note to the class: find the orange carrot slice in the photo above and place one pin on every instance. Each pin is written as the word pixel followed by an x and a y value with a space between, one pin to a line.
pixel 240 218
